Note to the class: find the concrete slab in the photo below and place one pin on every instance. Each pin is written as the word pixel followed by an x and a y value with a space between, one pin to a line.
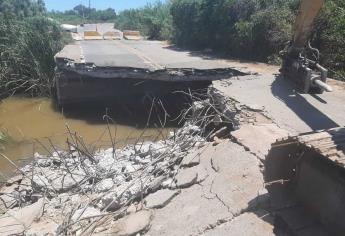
pixel 132 224
pixel 121 70
pixel 72 52
pixel 258 138
pixel 238 180
pixel 290 110
pixel 142 54
pixel 160 198
pixel 230 190
pixel 245 225
pixel 187 213
pixel 110 53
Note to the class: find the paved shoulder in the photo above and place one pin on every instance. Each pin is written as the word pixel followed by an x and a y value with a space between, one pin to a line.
pixel 290 110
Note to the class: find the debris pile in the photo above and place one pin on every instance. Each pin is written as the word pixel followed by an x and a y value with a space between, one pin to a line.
pixel 79 192
pixel 74 191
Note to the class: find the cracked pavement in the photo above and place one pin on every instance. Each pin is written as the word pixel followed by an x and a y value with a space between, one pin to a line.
pixel 225 202
pixel 232 199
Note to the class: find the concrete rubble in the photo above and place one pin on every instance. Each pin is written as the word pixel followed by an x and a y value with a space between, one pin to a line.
pixel 132 224
pixel 78 189
pixel 180 186
pixel 186 178
pixel 161 198
pixel 15 221
pixel 258 138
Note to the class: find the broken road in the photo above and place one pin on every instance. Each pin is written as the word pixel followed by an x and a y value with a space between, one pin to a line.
pixel 217 188
pixel 120 70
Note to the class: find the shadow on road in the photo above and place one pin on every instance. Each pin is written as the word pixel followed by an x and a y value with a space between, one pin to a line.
pixel 313 117
pixel 209 55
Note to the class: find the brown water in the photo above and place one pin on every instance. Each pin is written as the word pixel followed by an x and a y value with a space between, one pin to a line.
pixel 25 120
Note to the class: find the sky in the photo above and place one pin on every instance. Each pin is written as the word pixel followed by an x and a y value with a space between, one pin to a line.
pixel 118 5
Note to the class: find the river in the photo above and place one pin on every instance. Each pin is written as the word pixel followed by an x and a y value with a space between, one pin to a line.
pixel 28 124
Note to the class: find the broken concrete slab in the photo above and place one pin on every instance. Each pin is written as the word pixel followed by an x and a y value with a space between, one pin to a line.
pixel 239 179
pixel 169 183
pixel 85 213
pixel 135 208
pixel 16 221
pixel 95 75
pixel 187 213
pixel 186 178
pixel 43 227
pixel 232 189
pixel 258 138
pixel 192 159
pixel 104 185
pixel 245 224
pixel 161 198
pixel 14 180
pixel 156 183
pixel 57 180
pixel 8 198
pixel 132 224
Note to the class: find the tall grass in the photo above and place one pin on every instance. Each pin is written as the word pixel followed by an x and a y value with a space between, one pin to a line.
pixel 27 50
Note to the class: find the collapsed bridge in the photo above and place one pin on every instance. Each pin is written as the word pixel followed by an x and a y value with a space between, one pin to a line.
pixel 127 70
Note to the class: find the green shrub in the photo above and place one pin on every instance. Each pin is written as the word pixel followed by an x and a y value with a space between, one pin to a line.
pixel 153 20
pixel 329 37
pixel 257 30
pixel 27 55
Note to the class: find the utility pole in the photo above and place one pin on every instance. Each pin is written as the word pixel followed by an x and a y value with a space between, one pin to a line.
pixel 82 9
pixel 89 9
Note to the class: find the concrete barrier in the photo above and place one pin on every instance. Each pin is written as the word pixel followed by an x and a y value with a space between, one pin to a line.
pixel 132 35
pixel 92 35
pixel 113 35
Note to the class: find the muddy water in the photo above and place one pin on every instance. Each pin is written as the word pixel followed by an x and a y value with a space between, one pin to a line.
pixel 25 120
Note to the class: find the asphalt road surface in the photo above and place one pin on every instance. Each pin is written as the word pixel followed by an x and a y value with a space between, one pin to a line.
pixel 151 55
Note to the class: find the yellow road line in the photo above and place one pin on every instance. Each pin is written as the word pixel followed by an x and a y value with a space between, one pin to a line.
pixel 141 55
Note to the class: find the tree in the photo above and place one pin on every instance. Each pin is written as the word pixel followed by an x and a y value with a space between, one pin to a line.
pixel 82 14
pixel 21 8
pixel 153 20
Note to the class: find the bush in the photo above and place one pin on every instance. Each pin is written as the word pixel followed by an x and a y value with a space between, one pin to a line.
pixel 329 37
pixel 27 55
pixel 243 28
pixel 82 14
pixel 153 20
pixel 257 30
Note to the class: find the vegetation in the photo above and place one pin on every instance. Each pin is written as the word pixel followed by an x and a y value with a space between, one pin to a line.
pixel 28 43
pixel 82 14
pixel 153 20
pixel 21 9
pixel 248 29
pixel 329 37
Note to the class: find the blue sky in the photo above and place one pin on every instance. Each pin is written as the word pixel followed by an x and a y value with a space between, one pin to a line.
pixel 118 5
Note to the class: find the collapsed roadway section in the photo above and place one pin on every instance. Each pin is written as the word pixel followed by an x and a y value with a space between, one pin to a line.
pixel 125 71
